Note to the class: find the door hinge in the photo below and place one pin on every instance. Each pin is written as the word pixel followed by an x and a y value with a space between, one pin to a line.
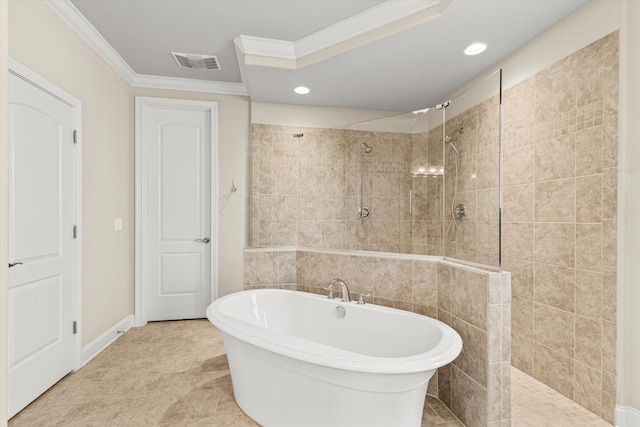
pixel 75 136
pixel 75 327
pixel 75 231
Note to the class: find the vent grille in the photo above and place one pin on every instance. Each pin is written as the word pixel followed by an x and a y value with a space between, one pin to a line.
pixel 196 61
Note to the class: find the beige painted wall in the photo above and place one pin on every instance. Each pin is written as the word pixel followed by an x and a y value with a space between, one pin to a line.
pixel 629 201
pixel 4 210
pixel 233 160
pixel 41 41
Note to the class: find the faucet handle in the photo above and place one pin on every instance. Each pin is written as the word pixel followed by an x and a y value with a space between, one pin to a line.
pixel 361 299
pixel 330 289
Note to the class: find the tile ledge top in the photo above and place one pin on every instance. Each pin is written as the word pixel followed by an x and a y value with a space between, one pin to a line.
pixel 388 255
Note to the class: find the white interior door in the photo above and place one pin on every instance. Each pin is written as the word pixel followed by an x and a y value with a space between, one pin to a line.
pixel 41 220
pixel 177 226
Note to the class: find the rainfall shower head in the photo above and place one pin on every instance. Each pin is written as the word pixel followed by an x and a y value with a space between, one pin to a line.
pixel 367 149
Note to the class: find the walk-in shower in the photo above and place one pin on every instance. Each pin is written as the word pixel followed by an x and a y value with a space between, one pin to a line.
pixel 363 211
pixel 458 210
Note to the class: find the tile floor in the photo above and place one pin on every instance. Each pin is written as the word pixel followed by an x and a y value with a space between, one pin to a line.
pixel 176 374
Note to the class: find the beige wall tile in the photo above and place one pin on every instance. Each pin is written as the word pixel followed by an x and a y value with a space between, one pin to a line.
pixel 521 276
pixel 469 399
pixel 554 329
pixel 522 353
pixel 260 268
pixel 316 269
pixel 425 283
pixel 445 272
pixel 588 342
pixel 554 286
pixel 588 388
pixel 444 384
pixel 608 347
pixel 473 359
pixel 519 165
pixel 392 279
pixel 589 246
pixel 589 198
pixel 589 143
pixel 522 316
pixel 609 244
pixel 554 369
pixel 284 233
pixel 610 192
pixel 287 267
pixel 357 272
pixel 555 158
pixel 555 91
pixel 588 294
pixel 518 240
pixel 555 244
pixel 609 295
pixel 608 397
pixel 469 296
pixel 610 142
pixel 310 234
pixel 518 203
pixel 555 201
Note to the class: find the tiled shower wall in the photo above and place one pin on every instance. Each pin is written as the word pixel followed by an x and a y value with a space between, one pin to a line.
pixel 476 135
pixel 559 231
pixel 475 302
pixel 306 190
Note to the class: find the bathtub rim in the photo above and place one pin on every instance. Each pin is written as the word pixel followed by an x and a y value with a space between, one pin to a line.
pixel 444 352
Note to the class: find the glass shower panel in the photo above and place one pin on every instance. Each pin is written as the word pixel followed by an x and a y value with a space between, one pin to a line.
pixel 425 185
pixel 472 175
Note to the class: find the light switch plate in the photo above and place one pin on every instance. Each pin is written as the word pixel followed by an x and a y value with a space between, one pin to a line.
pixel 117 224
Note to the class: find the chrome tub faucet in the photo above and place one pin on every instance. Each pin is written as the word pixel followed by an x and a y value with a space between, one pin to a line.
pixel 343 288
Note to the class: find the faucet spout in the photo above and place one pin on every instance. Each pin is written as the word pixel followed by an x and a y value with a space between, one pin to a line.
pixel 343 288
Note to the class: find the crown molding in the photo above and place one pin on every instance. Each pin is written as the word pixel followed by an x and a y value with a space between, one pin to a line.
pixel 373 24
pixel 378 22
pixel 362 23
pixel 72 17
pixel 191 85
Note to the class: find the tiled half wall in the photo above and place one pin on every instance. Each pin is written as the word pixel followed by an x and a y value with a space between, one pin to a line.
pixel 473 301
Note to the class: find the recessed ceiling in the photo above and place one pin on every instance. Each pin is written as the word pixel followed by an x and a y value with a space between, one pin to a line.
pixel 412 61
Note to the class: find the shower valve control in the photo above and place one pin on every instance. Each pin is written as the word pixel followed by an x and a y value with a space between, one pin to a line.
pixel 460 211
pixel 363 212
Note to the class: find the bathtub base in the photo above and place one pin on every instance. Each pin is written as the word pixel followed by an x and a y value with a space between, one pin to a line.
pixel 277 391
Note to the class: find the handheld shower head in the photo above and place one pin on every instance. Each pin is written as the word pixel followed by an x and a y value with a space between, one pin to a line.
pixel 367 149
pixel 450 142
pixel 450 138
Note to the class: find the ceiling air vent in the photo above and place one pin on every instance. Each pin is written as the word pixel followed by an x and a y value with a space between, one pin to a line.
pixel 196 61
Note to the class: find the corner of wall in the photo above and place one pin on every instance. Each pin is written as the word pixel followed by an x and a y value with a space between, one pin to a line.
pixel 4 211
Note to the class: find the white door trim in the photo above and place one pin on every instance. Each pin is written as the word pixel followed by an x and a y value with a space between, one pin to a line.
pixel 35 79
pixel 141 108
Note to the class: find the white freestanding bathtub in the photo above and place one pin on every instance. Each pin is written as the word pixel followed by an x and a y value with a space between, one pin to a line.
pixel 298 360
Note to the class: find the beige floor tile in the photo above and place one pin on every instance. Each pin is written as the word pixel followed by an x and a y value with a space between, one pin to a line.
pixel 175 374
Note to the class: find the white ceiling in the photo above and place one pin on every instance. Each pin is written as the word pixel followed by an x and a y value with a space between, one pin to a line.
pixel 398 55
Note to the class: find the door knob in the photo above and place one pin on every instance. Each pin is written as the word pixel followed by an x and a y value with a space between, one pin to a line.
pixel 205 240
pixel 13 264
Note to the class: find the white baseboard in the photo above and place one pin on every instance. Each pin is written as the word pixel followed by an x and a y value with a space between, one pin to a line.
pixel 627 416
pixel 94 348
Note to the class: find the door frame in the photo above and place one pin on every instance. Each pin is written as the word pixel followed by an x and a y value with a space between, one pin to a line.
pixel 31 77
pixel 142 105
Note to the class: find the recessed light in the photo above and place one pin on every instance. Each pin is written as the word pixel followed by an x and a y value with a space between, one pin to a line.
pixel 475 48
pixel 301 90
